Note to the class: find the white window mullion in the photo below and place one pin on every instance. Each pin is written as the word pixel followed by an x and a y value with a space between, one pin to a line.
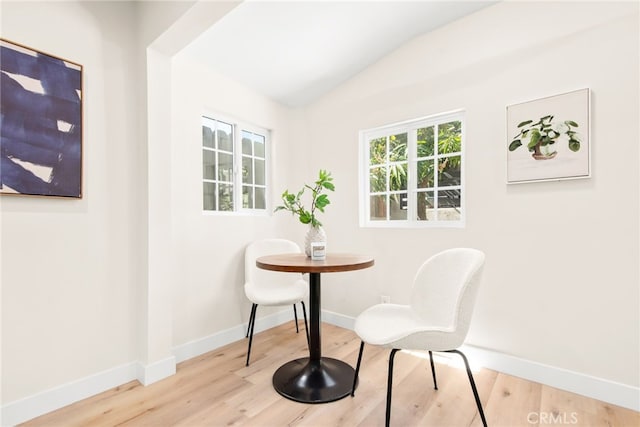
pixel 412 172
pixel 436 169
pixel 253 178
pixel 216 189
pixel 237 167
pixel 267 174
pixel 387 168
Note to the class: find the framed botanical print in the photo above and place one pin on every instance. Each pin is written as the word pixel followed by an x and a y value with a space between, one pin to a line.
pixel 549 138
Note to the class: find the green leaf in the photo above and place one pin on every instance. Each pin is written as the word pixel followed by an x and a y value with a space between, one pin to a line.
pixel 571 123
pixel 323 175
pixel 322 201
pixel 574 145
pixel 305 217
pixel 515 144
pixel 525 123
pixel 288 198
pixel 328 185
pixel 535 137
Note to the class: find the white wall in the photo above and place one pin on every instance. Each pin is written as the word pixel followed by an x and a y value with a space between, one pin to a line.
pixel 156 318
pixel 208 249
pixel 68 268
pixel 561 280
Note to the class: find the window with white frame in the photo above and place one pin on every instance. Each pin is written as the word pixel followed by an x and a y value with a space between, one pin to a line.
pixel 234 166
pixel 412 173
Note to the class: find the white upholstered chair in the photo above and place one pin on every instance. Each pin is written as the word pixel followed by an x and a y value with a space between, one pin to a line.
pixel 438 318
pixel 271 288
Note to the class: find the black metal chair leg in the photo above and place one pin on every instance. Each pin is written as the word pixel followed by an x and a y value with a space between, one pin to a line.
pixel 389 381
pixel 306 326
pixel 252 321
pixel 355 375
pixel 295 317
pixel 433 370
pixel 473 385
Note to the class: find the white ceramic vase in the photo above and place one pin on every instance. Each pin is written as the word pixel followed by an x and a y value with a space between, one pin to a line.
pixel 314 234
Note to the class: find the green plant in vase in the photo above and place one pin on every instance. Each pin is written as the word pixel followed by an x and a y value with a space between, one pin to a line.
pixel 293 202
pixel 543 135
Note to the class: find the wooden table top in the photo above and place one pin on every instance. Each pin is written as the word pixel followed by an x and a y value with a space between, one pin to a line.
pixel 300 263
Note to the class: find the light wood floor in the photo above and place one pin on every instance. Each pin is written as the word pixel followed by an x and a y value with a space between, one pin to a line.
pixel 216 389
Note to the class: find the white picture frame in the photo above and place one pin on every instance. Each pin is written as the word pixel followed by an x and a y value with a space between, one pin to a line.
pixel 549 139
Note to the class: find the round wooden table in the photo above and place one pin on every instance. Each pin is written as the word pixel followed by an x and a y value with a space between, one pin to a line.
pixel 314 379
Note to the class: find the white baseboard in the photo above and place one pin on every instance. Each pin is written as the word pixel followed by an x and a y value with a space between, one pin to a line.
pixel 596 388
pixel 204 345
pixel 49 400
pixel 575 382
pixel 149 374
pixel 337 319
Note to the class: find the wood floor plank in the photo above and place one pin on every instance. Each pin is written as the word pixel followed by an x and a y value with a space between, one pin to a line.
pixel 520 396
pixel 217 389
pixel 559 407
pixel 283 413
pixel 454 404
pixel 253 400
pixel 175 405
pixel 218 414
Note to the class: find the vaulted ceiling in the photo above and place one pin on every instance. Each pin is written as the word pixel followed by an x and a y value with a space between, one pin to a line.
pixel 294 52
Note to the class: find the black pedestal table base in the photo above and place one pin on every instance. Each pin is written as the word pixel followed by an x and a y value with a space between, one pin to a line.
pixel 314 381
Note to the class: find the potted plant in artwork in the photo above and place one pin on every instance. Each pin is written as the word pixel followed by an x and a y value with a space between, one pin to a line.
pixel 542 136
pixel 293 203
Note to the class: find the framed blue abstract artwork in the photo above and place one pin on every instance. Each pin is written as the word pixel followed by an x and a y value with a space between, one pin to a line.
pixel 40 123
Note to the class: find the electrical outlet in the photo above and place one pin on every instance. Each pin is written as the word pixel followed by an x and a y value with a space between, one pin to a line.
pixel 385 299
